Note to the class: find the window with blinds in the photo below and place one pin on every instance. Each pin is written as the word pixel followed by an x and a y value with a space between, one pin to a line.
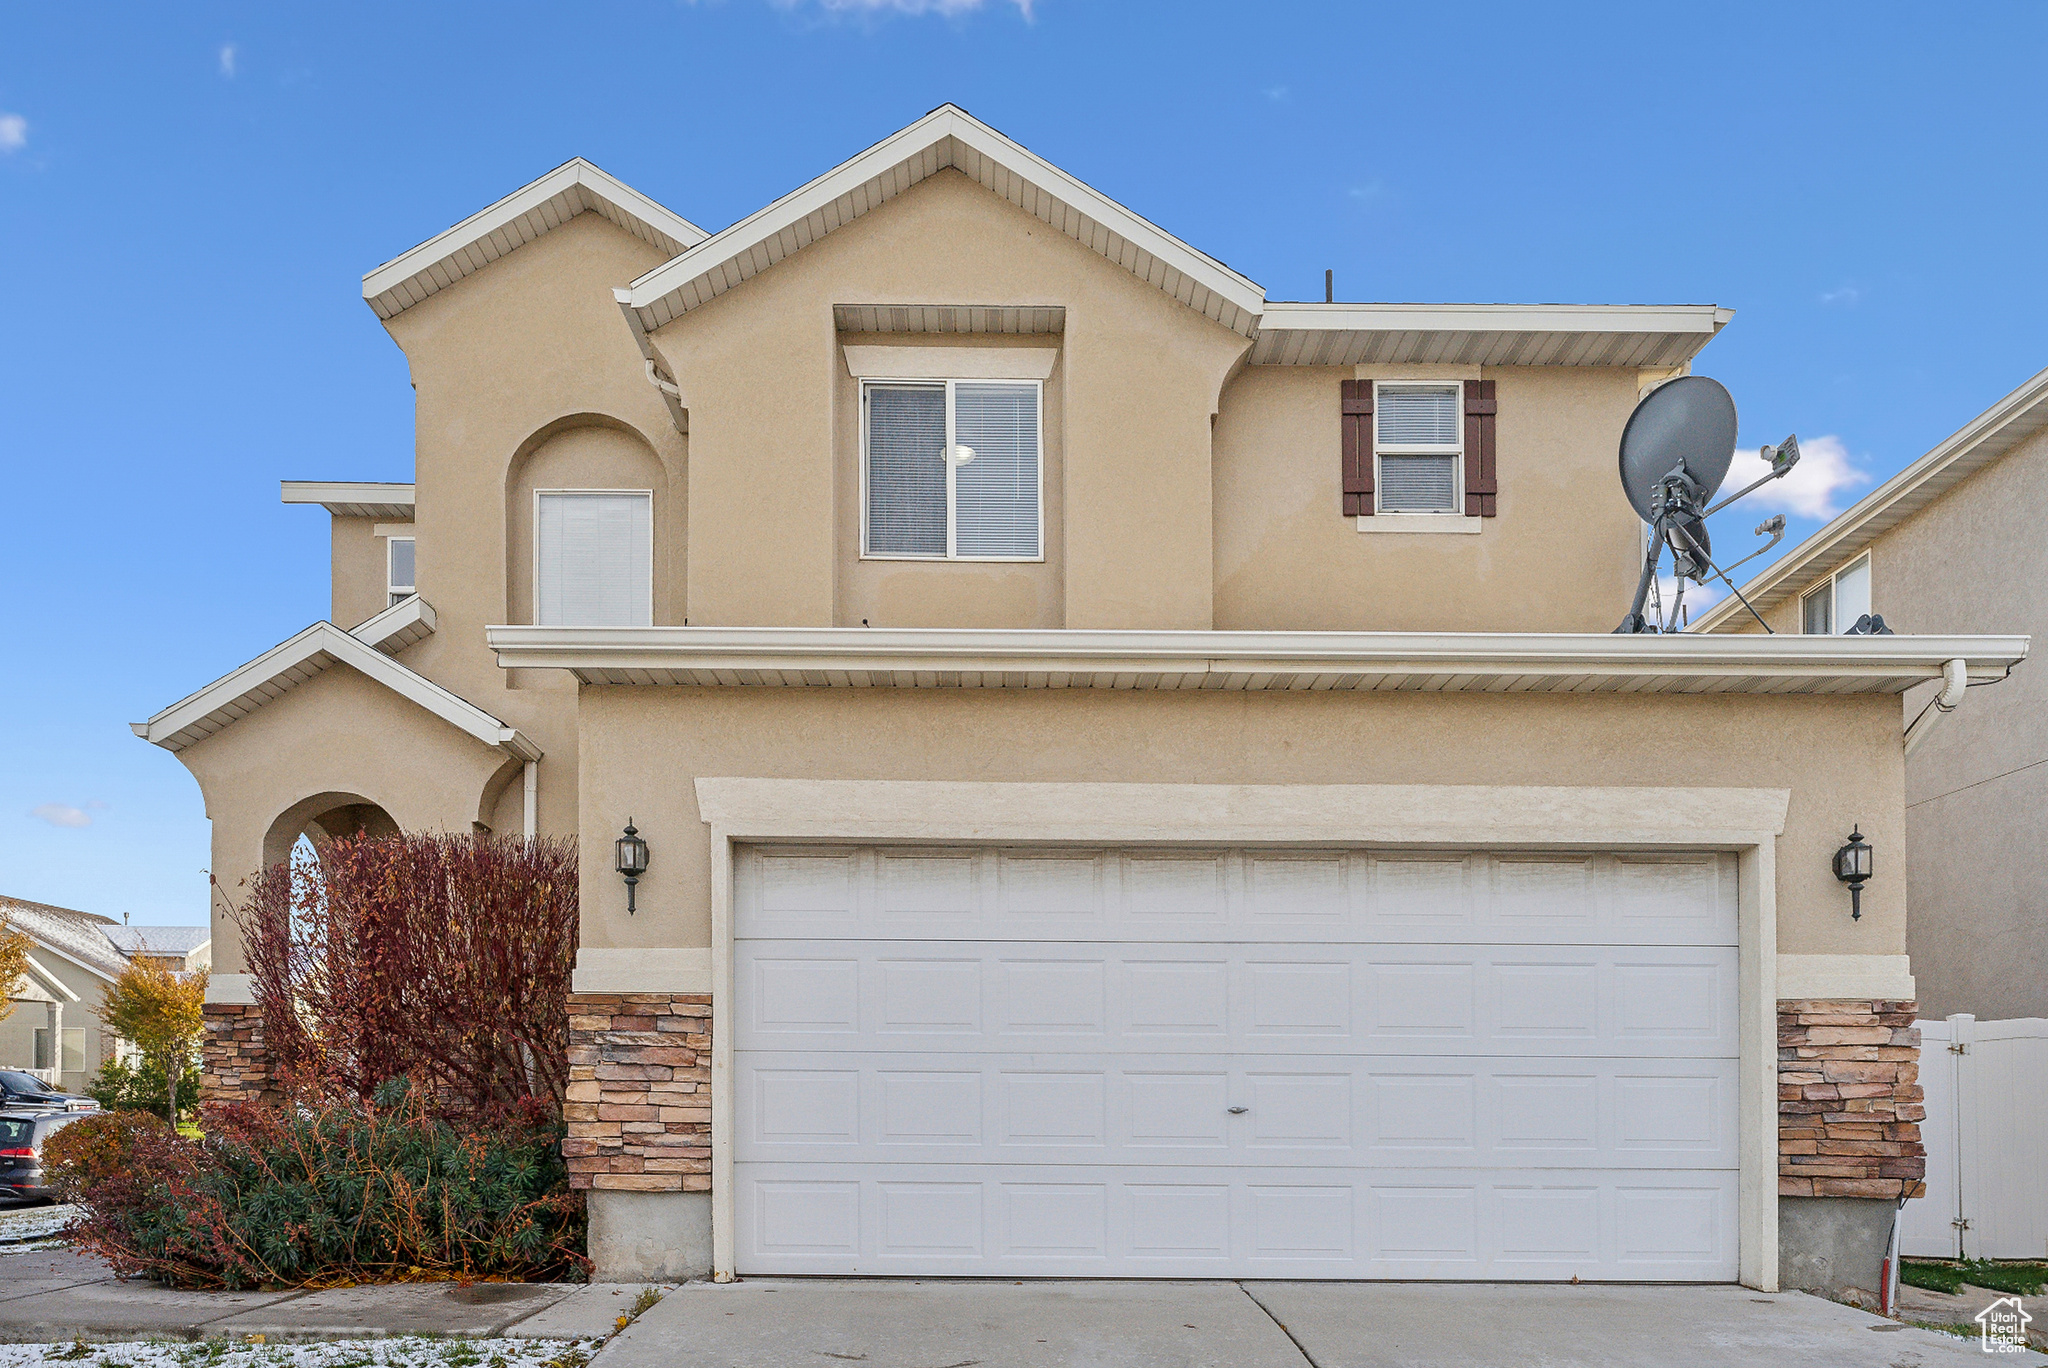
pixel 593 558
pixel 398 568
pixel 952 469
pixel 1417 444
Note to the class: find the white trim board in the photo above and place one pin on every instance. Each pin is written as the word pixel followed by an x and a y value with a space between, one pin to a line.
pixel 836 657
pixel 292 662
pixel 574 187
pixel 1747 821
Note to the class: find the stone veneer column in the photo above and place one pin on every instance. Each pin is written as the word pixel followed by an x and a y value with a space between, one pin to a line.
pixel 1849 1099
pixel 639 1102
pixel 233 1065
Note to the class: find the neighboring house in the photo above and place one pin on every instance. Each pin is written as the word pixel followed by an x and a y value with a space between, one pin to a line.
pixel 1956 542
pixel 1137 776
pixel 54 1030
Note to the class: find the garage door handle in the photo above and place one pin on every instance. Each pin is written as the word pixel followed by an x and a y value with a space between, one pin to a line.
pixel 1237 1111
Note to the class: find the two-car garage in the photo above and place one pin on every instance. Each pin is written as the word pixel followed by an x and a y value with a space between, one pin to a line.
pixel 1161 1061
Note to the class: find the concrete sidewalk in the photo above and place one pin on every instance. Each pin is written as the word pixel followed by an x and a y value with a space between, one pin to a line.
pixel 819 1323
pixel 54 1295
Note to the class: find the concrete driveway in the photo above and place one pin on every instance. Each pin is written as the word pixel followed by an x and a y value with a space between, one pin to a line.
pixel 831 1323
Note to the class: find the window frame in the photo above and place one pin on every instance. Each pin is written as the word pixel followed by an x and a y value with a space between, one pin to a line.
pixel 392 596
pixel 1828 587
pixel 648 494
pixel 1457 453
pixel 952 555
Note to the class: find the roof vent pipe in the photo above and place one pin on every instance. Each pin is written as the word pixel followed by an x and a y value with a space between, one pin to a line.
pixel 1955 677
pixel 1329 287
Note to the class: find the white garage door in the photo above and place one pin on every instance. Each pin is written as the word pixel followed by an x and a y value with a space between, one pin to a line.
pixel 1321 1064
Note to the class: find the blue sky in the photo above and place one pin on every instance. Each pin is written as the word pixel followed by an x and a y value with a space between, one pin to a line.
pixel 190 193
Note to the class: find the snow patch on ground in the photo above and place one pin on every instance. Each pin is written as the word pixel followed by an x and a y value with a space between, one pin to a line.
pixel 409 1352
pixel 26 1229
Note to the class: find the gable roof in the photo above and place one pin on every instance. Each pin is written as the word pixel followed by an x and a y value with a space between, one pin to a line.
pixel 159 940
pixel 1984 439
pixel 290 663
pixel 68 934
pixel 570 189
pixel 947 137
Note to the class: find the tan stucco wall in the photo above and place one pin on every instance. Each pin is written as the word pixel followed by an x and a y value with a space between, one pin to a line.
pixel 361 588
pixel 644 748
pixel 337 733
pixel 1560 556
pixel 760 366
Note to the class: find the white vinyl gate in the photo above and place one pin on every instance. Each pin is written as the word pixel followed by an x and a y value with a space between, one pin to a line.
pixel 1301 1064
pixel 1987 1141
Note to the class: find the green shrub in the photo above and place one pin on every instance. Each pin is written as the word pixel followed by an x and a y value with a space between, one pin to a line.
pixel 326 1191
pixel 120 1087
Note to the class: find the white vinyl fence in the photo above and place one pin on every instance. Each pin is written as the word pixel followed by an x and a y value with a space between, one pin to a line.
pixel 1987 1141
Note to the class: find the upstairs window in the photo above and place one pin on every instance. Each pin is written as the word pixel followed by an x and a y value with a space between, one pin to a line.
pixel 950 469
pixel 593 557
pixel 398 569
pixel 1834 605
pixel 1418 447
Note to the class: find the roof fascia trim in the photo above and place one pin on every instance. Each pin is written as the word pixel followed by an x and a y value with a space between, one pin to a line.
pixel 1563 318
pixel 1840 537
pixel 576 172
pixel 947 121
pixel 166 727
pixel 92 969
pixel 49 979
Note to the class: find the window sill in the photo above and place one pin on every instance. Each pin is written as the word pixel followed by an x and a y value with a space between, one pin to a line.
pixel 954 560
pixel 1419 522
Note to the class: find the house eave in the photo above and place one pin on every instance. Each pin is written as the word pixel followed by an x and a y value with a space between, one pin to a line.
pixel 352 498
pixel 1619 335
pixel 820 657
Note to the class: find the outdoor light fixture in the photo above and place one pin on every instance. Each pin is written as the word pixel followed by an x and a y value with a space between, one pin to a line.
pixel 1852 867
pixel 631 859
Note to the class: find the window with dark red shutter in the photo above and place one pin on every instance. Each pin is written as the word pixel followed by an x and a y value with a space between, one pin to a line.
pixel 1358 449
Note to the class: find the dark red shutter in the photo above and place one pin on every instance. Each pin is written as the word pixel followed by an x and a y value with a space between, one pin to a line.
pixel 1480 413
pixel 1357 421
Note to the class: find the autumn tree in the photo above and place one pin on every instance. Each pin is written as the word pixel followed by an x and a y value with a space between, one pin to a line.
pixel 13 963
pixel 161 1012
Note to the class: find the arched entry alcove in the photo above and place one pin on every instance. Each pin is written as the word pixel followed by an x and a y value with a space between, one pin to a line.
pixel 323 818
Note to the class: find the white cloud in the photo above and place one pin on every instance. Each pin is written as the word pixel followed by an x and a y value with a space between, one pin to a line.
pixel 13 132
pixel 227 60
pixel 1698 597
pixel 1813 488
pixel 1369 191
pixel 1275 93
pixel 1844 294
pixel 64 814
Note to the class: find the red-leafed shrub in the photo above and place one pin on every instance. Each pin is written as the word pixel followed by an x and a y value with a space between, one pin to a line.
pixel 441 958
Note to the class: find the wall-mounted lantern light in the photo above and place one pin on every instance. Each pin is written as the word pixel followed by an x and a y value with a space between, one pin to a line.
pixel 1852 867
pixel 631 859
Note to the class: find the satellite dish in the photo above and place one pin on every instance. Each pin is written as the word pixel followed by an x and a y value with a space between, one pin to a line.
pixel 1687 422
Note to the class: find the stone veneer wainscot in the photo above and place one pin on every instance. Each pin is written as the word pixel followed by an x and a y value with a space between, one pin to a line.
pixel 639 1102
pixel 233 1064
pixel 1849 1099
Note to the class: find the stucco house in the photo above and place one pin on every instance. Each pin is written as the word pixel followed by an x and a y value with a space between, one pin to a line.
pixel 1954 543
pixel 54 1030
pixel 1136 776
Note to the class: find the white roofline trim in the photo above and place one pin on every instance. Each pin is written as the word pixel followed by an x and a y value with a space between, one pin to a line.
pixel 536 207
pixel 399 626
pixel 1977 444
pixel 351 498
pixel 304 655
pixel 51 979
pixel 832 657
pixel 92 969
pixel 1619 335
pixel 787 225
pixel 1686 318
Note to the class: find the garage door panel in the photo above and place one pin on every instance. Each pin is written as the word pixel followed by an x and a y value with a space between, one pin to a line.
pixel 930 1220
pixel 1380 1113
pixel 1391 999
pixel 1414 897
pixel 1287 1063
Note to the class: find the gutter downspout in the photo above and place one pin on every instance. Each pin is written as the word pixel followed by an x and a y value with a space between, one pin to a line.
pixel 1955 676
pixel 532 783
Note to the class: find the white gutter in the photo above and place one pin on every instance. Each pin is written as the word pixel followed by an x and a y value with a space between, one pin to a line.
pixel 532 786
pixel 1955 675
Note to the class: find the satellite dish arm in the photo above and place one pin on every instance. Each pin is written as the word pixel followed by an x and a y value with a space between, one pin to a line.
pixel 1782 457
pixel 1723 574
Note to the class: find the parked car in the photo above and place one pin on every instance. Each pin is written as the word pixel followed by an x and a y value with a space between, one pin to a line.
pixel 21 1089
pixel 22 1136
